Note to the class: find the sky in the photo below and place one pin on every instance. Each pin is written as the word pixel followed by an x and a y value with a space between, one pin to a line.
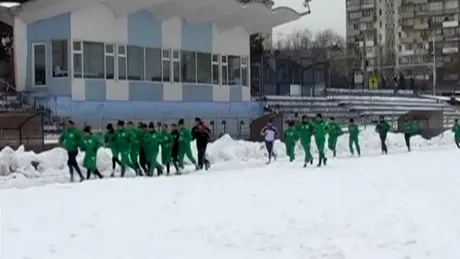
pixel 325 14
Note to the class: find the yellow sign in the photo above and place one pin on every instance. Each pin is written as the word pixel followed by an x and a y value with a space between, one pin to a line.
pixel 373 82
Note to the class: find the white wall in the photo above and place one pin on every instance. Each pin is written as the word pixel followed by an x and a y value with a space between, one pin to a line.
pixel 98 23
pixel 20 53
pixel 171 30
pixel 234 41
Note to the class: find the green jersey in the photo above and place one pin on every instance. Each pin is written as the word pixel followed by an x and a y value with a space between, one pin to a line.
pixel 411 128
pixel 353 130
pixel 320 129
pixel 152 142
pixel 71 138
pixel 304 132
pixel 456 130
pixel 290 136
pixel 334 129
pixel 167 139
pixel 185 136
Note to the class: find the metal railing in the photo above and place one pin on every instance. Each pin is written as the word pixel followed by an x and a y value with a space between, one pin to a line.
pixel 236 127
pixel 14 100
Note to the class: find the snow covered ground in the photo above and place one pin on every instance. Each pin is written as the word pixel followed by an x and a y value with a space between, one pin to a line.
pixel 402 206
pixel 395 206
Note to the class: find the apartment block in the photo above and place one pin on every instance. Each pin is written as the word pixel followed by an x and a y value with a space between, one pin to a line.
pixel 428 31
pixel 371 31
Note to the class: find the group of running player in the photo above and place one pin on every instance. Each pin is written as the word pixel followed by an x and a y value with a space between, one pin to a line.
pixel 137 147
pixel 319 129
pixel 304 131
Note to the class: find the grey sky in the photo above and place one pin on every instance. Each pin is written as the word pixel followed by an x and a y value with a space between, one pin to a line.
pixel 325 14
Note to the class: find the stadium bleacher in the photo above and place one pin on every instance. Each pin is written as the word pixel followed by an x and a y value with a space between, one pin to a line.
pixel 364 104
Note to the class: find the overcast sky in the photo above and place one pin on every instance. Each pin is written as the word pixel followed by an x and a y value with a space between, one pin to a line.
pixel 325 14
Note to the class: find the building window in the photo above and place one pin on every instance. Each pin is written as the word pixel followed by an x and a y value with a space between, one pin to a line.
pixel 39 62
pixel 234 70
pixel 166 62
pixel 77 59
pixel 135 63
pixel 176 66
pixel 59 58
pixel 188 61
pixel 204 67
pixel 215 69
pixel 153 64
pixel 224 69
pixel 93 60
pixel 122 63
pixel 110 61
pixel 244 71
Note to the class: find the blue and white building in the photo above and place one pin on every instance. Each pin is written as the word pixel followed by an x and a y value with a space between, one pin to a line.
pixel 138 57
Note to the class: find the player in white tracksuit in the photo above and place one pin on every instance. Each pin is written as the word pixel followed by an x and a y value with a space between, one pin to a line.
pixel 270 134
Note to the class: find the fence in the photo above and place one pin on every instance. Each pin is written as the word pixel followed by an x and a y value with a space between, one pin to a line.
pixel 236 127
pixel 22 128
pixel 284 75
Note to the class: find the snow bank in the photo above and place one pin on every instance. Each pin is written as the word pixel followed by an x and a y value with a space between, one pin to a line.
pixel 20 166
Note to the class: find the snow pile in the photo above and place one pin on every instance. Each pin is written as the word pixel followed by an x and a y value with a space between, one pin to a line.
pixel 226 149
pixel 51 166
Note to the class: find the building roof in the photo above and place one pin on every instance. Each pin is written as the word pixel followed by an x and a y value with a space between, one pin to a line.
pixel 254 16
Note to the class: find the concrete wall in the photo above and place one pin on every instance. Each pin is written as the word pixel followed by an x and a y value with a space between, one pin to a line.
pixel 99 24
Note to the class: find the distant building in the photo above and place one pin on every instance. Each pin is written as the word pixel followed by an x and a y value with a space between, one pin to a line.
pixel 400 33
pixel 371 31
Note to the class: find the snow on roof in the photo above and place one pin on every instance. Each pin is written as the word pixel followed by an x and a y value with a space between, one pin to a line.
pixel 253 16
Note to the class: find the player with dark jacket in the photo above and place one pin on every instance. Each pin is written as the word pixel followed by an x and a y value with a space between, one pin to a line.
pixel 175 147
pixel 143 161
pixel 110 140
pixel 202 135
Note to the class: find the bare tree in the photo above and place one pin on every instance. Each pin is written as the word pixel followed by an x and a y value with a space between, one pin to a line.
pixel 324 46
pixel 320 45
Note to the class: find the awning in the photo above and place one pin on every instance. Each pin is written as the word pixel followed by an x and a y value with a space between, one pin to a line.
pixel 227 14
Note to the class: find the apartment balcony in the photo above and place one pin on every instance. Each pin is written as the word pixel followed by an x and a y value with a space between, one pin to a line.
pixel 421 52
pixel 435 12
pixel 367 6
pixel 438 38
pixel 353 19
pixel 407 14
pixel 421 13
pixel 435 25
pixel 371 54
pixel 406 27
pixel 407 40
pixel 451 11
pixel 450 50
pixel 354 7
pixel 353 32
pixel 369 43
pixel 450 38
pixel 421 26
pixel 450 24
pixel 367 19
pixel 406 52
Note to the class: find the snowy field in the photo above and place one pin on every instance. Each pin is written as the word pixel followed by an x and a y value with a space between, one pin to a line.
pixel 399 206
